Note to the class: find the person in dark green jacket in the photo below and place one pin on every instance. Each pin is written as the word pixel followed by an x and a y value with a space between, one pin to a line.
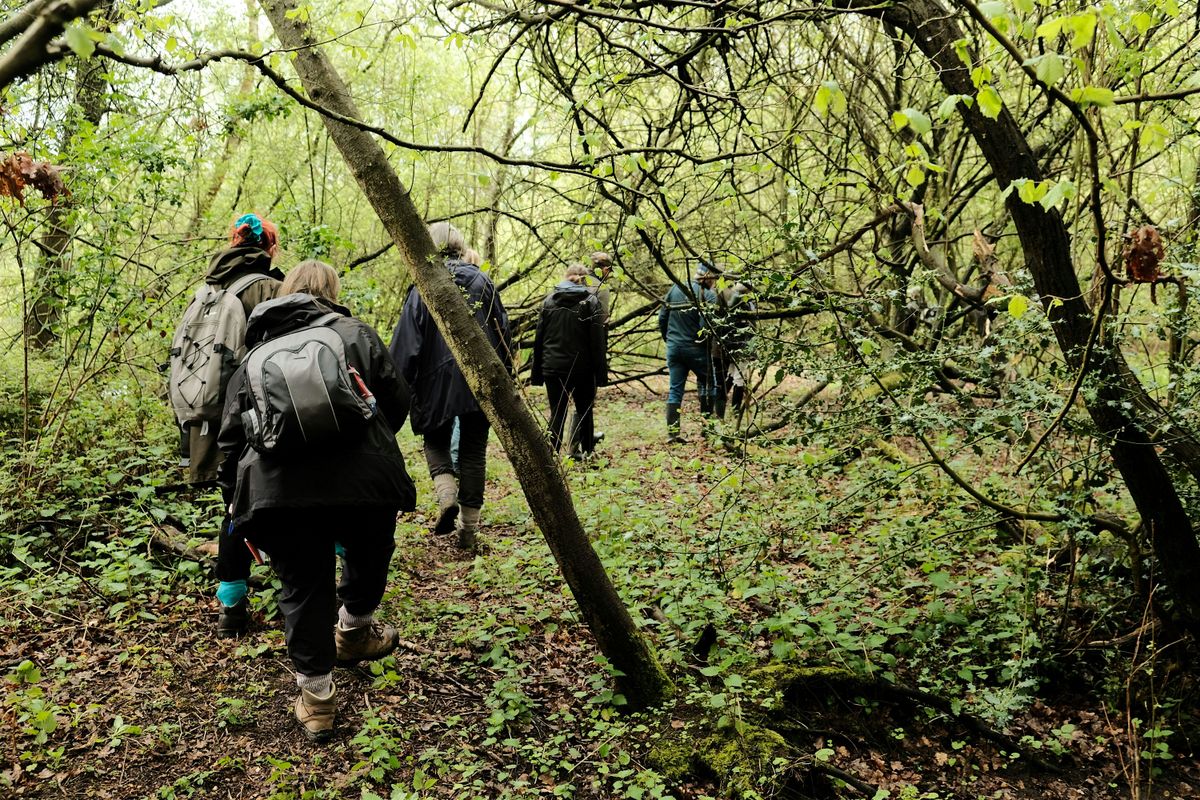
pixel 683 323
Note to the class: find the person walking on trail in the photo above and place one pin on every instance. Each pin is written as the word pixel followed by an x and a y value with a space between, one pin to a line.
pixel 440 392
pixel 685 329
pixel 205 352
pixel 311 462
pixel 570 357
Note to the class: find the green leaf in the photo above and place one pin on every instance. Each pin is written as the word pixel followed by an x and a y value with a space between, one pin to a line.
pixel 1032 191
pixel 1082 28
pixel 1050 68
pixel 993 9
pixel 824 754
pixel 946 108
pixel 915 176
pixel 830 99
pixel 1024 6
pixel 1018 304
pixel 1062 190
pixel 917 120
pixel 899 120
pixel 1142 21
pixel 1093 96
pixel 1050 28
pixel 990 102
pixel 79 39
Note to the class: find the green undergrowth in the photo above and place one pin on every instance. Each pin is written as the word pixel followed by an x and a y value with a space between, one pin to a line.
pixel 800 556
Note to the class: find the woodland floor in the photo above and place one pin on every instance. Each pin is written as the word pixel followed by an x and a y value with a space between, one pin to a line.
pixel 493 693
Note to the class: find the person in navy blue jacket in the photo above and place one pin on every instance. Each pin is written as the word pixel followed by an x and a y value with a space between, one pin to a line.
pixel 683 324
pixel 440 394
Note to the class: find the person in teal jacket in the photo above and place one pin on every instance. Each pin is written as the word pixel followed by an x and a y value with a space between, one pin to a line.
pixel 684 326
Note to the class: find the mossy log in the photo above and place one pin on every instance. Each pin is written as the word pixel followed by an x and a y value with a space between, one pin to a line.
pixel 763 755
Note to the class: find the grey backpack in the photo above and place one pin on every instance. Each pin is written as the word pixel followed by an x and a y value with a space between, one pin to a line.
pixel 208 346
pixel 303 393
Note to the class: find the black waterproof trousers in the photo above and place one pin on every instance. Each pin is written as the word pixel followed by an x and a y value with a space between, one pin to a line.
pixel 581 389
pixel 472 455
pixel 300 543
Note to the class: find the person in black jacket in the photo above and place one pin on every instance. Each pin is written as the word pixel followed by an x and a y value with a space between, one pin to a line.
pixel 299 507
pixel 570 356
pixel 440 392
pixel 253 244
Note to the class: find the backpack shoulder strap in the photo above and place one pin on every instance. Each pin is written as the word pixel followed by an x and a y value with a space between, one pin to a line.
pixel 326 319
pixel 245 282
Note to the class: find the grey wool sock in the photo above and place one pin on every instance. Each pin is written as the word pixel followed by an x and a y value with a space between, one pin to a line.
pixel 348 621
pixel 469 518
pixel 319 686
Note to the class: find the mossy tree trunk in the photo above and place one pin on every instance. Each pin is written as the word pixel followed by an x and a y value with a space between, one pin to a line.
pixel 643 681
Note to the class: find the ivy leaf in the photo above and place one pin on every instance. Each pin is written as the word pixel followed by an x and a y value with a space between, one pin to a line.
pixel 1018 304
pixel 80 40
pixel 1050 68
pixel 1093 96
pixel 990 102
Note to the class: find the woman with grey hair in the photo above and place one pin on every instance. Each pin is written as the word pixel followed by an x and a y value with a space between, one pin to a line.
pixel 440 395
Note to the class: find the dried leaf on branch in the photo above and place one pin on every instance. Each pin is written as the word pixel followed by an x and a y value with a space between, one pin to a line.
pixel 1143 253
pixel 19 171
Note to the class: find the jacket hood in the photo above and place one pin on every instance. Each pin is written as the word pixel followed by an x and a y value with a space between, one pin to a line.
pixel 231 264
pixel 567 293
pixel 284 314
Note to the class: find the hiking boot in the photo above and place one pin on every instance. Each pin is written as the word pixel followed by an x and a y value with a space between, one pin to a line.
pixel 315 715
pixel 468 526
pixel 368 643
pixel 446 489
pixel 233 620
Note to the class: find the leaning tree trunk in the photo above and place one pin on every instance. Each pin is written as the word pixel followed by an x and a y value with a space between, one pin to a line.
pixel 643 680
pixel 1118 407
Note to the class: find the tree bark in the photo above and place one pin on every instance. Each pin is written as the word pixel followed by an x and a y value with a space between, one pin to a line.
pixel 32 51
pixel 640 677
pixel 53 273
pixel 1118 405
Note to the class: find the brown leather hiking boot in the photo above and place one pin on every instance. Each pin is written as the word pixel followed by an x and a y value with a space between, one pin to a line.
pixel 315 715
pixel 368 643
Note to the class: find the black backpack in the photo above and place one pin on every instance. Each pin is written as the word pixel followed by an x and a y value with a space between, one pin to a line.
pixel 303 393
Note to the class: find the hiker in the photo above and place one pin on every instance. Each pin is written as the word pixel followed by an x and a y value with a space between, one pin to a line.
pixel 570 357
pixel 207 348
pixel 729 346
pixel 440 392
pixel 311 457
pixel 684 329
